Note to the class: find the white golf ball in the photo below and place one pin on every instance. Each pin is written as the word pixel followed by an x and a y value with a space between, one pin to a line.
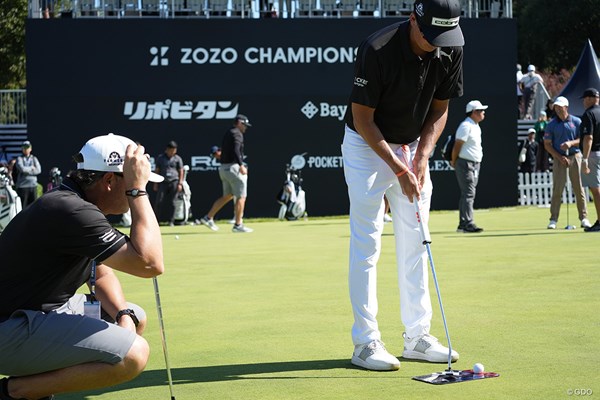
pixel 176 237
pixel 478 368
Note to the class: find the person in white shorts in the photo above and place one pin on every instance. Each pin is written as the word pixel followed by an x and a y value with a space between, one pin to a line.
pixel 405 75
pixel 590 148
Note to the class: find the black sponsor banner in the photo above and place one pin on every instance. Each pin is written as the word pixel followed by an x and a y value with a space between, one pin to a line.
pixel 157 80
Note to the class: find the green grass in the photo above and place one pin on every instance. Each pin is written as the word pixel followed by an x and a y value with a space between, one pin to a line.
pixel 267 316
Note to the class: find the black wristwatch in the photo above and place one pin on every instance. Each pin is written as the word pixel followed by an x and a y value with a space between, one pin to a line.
pixel 136 193
pixel 131 313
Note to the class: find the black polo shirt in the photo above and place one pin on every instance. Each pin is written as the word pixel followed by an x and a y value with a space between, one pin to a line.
pixel 399 85
pixel 590 125
pixel 169 167
pixel 232 148
pixel 47 250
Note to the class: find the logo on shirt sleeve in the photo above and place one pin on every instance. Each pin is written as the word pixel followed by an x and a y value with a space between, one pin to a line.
pixel 108 237
pixel 360 82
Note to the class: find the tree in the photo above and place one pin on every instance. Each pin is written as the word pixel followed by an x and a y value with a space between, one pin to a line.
pixel 13 14
pixel 552 33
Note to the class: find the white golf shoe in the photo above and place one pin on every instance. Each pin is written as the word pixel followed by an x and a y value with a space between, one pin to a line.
pixel 374 356
pixel 209 223
pixel 426 347
pixel 585 223
pixel 241 228
pixel 552 224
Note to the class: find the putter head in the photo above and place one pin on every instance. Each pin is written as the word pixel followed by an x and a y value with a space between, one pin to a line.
pixel 569 227
pixel 451 372
pixel 450 376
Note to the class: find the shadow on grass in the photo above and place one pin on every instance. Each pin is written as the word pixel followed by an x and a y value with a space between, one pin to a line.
pixel 221 373
pixel 484 235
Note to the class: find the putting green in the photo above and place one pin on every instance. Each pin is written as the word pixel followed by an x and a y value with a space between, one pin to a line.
pixel 266 315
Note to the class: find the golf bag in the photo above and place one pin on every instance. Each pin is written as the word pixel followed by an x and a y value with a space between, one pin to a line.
pixel 183 204
pixel 10 203
pixel 54 179
pixel 292 197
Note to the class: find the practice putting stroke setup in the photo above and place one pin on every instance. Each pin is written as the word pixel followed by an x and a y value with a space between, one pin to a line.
pixel 449 375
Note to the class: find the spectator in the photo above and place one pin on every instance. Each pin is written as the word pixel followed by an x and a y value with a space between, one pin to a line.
pixel 27 169
pixel 519 91
pixel 47 344
pixel 466 161
pixel 542 162
pixel 561 140
pixel 531 150
pixel 529 86
pixel 234 175
pixel 404 76
pixel 590 147
pixel 170 166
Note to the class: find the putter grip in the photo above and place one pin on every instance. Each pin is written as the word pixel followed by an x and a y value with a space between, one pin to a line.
pixel 424 230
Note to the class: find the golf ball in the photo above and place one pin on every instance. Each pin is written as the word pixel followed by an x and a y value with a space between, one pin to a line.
pixel 478 368
pixel 176 237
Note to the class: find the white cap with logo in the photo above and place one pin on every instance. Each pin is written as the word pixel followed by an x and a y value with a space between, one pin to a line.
pixel 561 101
pixel 475 105
pixel 106 153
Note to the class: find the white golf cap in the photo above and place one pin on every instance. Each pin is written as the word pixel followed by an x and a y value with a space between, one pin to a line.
pixel 561 101
pixel 531 68
pixel 106 153
pixel 474 105
pixel 531 130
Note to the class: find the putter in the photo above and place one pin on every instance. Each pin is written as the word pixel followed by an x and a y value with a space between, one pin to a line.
pixel 162 335
pixel 426 240
pixel 569 227
pixel 449 375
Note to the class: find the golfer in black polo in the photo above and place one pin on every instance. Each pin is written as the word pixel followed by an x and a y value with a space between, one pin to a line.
pixel 589 135
pixel 404 76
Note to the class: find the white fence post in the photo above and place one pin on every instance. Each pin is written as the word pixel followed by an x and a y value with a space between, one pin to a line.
pixel 536 189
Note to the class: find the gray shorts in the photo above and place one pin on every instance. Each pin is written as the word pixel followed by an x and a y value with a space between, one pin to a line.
pixel 32 342
pixel 592 179
pixel 234 183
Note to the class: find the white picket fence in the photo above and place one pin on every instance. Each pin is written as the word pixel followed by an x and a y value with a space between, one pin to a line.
pixel 536 189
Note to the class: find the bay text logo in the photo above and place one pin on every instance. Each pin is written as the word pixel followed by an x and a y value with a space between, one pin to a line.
pixel 324 110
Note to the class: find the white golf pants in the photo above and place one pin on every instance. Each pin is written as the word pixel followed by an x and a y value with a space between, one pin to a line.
pixel 368 178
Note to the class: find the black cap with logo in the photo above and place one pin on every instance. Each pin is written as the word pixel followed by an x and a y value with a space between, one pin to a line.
pixel 243 119
pixel 590 92
pixel 438 20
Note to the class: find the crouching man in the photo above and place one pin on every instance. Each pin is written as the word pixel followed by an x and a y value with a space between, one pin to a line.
pixel 53 340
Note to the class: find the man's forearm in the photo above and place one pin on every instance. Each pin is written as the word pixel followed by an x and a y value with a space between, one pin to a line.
pixel 109 291
pixel 145 232
pixel 587 146
pixel 432 128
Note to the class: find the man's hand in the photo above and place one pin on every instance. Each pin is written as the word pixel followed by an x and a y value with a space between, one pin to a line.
pixel 136 167
pixel 564 160
pixel 420 165
pixel 565 146
pixel 410 186
pixel 243 170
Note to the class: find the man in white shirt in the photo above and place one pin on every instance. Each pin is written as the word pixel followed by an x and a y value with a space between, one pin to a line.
pixel 466 161
pixel 529 84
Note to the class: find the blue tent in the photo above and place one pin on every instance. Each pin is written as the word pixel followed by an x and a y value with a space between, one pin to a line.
pixel 586 75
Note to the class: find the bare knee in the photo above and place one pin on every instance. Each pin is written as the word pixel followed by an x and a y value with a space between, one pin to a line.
pixel 136 358
pixel 141 326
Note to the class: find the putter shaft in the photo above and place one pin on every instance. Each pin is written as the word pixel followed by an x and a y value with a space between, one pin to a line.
pixel 425 236
pixel 162 335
